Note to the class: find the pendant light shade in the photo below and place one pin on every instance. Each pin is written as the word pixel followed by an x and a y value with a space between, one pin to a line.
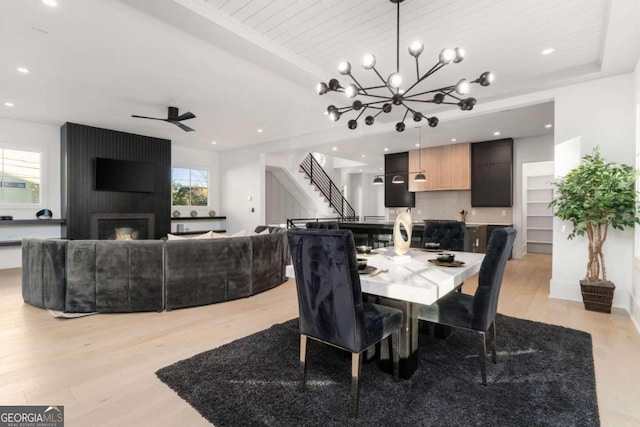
pixel 420 177
pixel 398 179
pixel 378 180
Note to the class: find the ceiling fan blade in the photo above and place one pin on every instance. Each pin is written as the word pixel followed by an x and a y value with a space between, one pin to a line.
pixel 181 126
pixel 145 117
pixel 186 116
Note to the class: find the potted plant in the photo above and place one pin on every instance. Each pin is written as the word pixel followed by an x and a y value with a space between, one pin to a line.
pixel 594 196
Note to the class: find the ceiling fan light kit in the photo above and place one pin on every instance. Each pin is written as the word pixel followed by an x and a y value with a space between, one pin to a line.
pixel 174 117
pixel 387 95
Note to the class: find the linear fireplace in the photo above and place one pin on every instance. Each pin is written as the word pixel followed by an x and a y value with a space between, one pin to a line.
pixel 122 226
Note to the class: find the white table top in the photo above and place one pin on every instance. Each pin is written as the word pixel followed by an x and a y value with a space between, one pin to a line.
pixel 416 280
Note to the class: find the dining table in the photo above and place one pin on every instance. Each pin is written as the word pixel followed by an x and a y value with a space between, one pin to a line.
pixel 406 282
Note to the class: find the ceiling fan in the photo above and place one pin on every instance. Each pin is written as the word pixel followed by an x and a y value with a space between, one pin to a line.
pixel 173 118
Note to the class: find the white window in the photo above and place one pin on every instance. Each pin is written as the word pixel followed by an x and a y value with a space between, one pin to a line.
pixel 20 177
pixel 190 187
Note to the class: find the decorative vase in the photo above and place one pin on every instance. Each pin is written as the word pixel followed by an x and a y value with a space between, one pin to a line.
pixel 400 245
pixel 597 295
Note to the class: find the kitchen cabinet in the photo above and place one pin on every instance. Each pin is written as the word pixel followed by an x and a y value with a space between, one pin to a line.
pixel 492 173
pixel 447 167
pixel 397 195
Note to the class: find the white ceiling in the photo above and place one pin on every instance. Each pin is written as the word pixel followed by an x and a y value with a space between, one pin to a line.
pixel 246 64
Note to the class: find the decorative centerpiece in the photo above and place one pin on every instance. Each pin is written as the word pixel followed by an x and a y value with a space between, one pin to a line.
pixel 593 196
pixel 400 245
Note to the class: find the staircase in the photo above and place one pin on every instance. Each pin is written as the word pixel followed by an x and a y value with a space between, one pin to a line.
pixel 318 177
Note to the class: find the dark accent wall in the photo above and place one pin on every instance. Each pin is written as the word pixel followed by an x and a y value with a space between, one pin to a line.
pixel 80 145
pixel 397 195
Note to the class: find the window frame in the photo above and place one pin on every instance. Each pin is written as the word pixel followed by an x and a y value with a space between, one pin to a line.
pixel 191 168
pixel 42 151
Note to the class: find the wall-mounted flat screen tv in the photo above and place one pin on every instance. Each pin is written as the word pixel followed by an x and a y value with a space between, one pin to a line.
pixel 124 175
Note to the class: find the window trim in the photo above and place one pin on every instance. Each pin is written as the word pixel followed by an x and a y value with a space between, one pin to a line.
pixel 202 168
pixel 43 173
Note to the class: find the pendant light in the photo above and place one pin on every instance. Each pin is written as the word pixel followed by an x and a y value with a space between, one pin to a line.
pixel 420 175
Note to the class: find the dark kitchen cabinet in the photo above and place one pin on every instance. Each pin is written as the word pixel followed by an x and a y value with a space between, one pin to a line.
pixel 397 195
pixel 475 238
pixel 492 173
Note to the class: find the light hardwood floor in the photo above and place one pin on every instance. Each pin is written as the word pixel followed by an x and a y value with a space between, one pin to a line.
pixel 101 367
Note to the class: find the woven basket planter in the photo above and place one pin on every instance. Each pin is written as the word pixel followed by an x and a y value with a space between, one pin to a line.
pixel 597 296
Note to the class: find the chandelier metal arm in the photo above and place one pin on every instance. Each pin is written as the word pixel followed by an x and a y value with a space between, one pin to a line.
pixel 360 87
pixel 442 90
pixel 383 81
pixel 427 74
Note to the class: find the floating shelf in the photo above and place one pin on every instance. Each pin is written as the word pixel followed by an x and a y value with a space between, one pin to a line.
pixel 541 242
pixel 186 233
pixel 201 218
pixel 32 221
pixel 11 243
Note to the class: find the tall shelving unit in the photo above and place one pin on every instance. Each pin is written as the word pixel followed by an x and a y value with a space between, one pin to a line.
pixel 537 216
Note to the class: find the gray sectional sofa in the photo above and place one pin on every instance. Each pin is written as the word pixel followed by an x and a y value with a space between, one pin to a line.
pixel 82 276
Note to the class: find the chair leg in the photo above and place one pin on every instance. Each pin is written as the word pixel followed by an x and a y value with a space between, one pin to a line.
pixel 493 332
pixel 356 363
pixel 303 366
pixel 483 357
pixel 395 348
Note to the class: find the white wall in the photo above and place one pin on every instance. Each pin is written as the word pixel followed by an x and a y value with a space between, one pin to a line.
pixel 37 137
pixel 242 177
pixel 187 157
pixel 635 291
pixel 600 112
pixel 280 204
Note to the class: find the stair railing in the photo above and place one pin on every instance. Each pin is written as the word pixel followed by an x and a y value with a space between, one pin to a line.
pixel 328 188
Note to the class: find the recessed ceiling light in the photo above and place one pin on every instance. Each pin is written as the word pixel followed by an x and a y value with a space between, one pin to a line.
pixel 386 149
pixel 548 125
pixel 453 140
pixel 548 51
pixel 51 3
pixel 23 70
pixel 8 104
pixel 381 168
pixel 259 130
pixel 417 145
pixel 496 133
pixel 364 155
pixel 213 142
pixel 335 148
pixel 360 170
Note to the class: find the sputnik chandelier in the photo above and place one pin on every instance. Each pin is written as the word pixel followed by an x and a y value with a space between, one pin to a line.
pixel 389 93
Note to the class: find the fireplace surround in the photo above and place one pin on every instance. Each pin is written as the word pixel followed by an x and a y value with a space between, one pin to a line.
pixel 122 226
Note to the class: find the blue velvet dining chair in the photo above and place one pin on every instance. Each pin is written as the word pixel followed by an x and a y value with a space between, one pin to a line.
pixel 330 301
pixel 477 312
pixel 449 234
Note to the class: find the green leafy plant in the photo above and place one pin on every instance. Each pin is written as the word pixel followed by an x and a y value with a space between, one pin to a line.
pixel 593 196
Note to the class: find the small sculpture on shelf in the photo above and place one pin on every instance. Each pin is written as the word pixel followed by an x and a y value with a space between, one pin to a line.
pixel 400 245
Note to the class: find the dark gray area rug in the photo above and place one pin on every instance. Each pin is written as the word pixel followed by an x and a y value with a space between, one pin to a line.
pixel 544 376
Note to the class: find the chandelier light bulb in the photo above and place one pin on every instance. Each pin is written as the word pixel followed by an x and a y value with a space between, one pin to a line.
pixel 344 68
pixel 446 56
pixel 394 80
pixel 322 88
pixel 415 48
pixel 459 55
pixel 486 78
pixel 463 87
pixel 368 61
pixel 351 91
pixel 334 115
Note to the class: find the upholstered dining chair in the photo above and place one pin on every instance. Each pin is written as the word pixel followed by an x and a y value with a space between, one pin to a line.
pixel 450 234
pixel 330 301
pixel 477 312
pixel 325 225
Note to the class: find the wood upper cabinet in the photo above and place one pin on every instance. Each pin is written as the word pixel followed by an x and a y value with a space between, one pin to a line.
pixel 447 167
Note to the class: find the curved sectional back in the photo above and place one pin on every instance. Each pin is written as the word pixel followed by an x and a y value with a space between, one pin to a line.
pixel 81 276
